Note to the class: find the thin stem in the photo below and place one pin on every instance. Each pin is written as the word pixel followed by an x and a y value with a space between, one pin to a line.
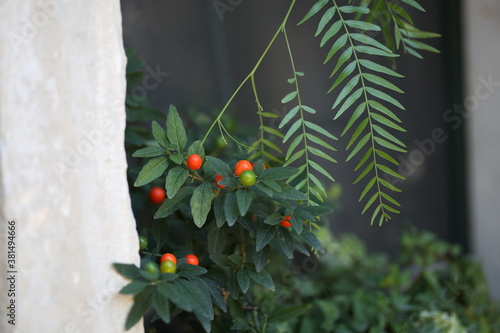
pixel 308 182
pixel 259 112
pixel 249 76
pixel 365 94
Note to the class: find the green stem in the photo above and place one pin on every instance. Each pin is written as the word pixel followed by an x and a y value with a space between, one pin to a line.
pixel 261 120
pixel 365 94
pixel 249 76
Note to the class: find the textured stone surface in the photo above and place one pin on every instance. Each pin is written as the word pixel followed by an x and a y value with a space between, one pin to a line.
pixel 482 50
pixel 63 166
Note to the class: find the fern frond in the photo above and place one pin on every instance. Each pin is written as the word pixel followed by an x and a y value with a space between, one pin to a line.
pixel 364 87
pixel 306 143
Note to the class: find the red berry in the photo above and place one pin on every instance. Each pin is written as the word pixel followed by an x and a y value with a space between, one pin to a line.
pixel 194 162
pixel 253 164
pixel 192 259
pixel 168 256
pixel 242 166
pixel 218 178
pixel 157 195
pixel 286 221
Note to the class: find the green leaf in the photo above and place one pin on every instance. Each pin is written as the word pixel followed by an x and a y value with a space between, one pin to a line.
pixel 176 158
pixel 379 94
pixel 381 82
pixel 216 239
pixel 314 10
pixel 268 115
pixel 263 278
pixel 128 271
pixel 378 68
pixel 384 110
pixel 346 90
pixel 374 51
pixel 272 131
pixel 297 223
pixel 142 303
pixel 201 203
pixel 161 305
pixel 289 97
pixel 382 132
pixel 356 114
pixel 389 171
pixel 134 287
pixel 389 185
pixel 415 4
pixel 176 133
pixel 265 233
pixel 218 166
pixel 327 16
pixel 368 154
pixel 308 109
pixel 278 173
pixel 244 199
pixel 421 46
pixel 315 210
pixel 231 208
pixel 346 55
pixel 362 25
pixel 320 142
pixel 319 129
pixel 387 122
pixel 365 172
pixel 368 187
pixel 291 131
pixel 159 134
pixel 350 101
pixel 310 238
pixel 332 31
pixel 175 179
pixel 273 219
pixel 339 43
pixel 243 279
pixel 151 170
pixel 345 73
pixel 202 307
pixel 285 241
pixel 286 313
pixel 387 144
pixel 361 127
pixel 289 116
pixel 354 9
pixel 169 206
pixel 294 157
pixel 197 148
pixel 370 202
pixel 321 154
pixel 260 258
pixel 361 144
pixel 220 215
pixel 149 152
pixel 365 39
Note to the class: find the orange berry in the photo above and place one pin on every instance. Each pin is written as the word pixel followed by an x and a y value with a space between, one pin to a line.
pixel 194 162
pixel 218 178
pixel 192 259
pixel 286 221
pixel 241 166
pixel 168 256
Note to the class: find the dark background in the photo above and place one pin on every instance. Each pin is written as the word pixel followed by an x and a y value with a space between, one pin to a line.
pixel 207 58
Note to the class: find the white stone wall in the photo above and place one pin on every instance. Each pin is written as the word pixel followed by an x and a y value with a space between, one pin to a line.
pixel 482 68
pixel 63 166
